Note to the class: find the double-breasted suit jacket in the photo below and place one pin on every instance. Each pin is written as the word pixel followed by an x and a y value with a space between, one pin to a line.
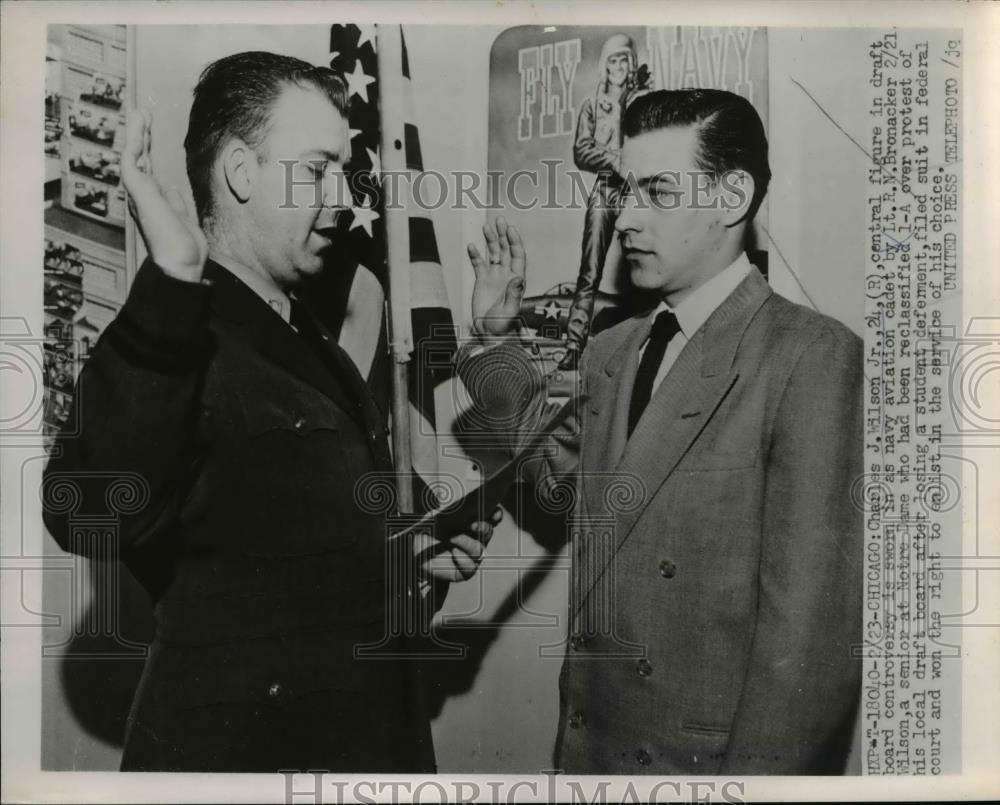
pixel 265 572
pixel 717 554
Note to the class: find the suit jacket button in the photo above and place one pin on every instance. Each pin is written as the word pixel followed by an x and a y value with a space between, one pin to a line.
pixel 643 668
pixel 274 690
pixel 642 757
pixel 577 720
pixel 668 569
pixel 300 423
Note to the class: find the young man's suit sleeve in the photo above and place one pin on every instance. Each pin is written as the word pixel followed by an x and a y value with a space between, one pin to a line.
pixel 799 697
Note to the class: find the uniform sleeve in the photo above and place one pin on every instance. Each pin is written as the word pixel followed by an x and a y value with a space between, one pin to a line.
pixel 134 409
pixel 800 696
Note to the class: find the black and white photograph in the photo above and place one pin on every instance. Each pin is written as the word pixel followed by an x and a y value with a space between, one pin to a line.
pixel 96 163
pixel 498 403
pixel 93 126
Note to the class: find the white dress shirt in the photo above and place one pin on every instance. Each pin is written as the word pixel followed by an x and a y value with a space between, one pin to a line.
pixel 695 310
pixel 261 284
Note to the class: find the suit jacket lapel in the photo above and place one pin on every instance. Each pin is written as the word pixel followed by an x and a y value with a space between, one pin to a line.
pixel 273 338
pixel 681 407
pixel 617 378
pixel 678 411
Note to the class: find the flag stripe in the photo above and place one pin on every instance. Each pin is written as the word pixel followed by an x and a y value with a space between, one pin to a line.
pixel 406 55
pixel 411 138
pixel 434 346
pixel 428 288
pixel 423 243
pixel 434 337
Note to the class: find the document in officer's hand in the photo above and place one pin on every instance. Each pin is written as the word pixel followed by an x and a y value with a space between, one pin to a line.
pixel 455 517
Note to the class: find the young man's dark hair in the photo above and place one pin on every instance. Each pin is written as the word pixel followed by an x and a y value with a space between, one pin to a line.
pixel 234 98
pixel 730 133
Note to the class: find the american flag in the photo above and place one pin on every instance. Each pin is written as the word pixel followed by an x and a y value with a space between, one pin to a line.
pixel 353 54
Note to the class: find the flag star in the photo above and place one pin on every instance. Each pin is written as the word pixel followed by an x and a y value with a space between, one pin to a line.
pixel 373 157
pixel 551 310
pixel 357 82
pixel 364 216
pixel 367 35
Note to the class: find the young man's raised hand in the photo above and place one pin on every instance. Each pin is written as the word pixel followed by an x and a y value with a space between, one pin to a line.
pixel 496 296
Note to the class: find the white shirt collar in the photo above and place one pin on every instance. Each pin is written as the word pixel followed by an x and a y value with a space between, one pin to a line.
pixel 701 303
pixel 261 284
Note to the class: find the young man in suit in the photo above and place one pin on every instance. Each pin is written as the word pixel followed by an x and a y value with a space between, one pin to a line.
pixel 712 622
pixel 244 429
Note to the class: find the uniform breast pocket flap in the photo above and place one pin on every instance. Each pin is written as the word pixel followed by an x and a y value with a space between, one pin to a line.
pixel 299 414
pixel 709 730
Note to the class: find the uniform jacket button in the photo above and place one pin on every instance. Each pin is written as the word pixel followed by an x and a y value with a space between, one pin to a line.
pixel 300 423
pixel 668 569
pixel 274 690
pixel 643 668
pixel 577 720
pixel 642 757
pixel 577 642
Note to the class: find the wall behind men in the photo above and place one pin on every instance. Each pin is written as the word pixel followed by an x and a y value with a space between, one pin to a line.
pixel 496 710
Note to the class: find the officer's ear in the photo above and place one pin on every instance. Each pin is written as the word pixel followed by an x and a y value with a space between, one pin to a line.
pixel 240 167
pixel 736 189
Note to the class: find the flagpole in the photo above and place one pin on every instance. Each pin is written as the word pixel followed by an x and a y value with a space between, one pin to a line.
pixel 390 72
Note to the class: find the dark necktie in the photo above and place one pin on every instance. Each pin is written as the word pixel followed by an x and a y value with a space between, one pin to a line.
pixel 665 327
pixel 297 315
pixel 302 321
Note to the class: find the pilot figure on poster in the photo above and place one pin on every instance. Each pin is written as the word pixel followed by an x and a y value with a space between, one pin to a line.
pixel 597 148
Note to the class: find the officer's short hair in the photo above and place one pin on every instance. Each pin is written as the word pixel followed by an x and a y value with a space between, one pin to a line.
pixel 234 97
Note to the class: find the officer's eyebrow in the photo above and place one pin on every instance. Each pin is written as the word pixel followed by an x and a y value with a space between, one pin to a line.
pixel 323 153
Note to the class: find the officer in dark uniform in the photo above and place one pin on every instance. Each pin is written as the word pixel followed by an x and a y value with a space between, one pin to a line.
pixel 245 428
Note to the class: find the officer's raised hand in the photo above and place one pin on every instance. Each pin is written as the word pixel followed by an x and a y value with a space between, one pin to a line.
pixel 173 239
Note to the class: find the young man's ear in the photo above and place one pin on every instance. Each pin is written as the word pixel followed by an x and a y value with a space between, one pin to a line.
pixel 736 188
pixel 239 166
